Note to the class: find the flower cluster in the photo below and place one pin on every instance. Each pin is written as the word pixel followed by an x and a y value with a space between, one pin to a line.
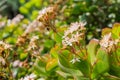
pixel 32 45
pixel 2 61
pixel 43 20
pixel 74 33
pixel 34 26
pixel 46 14
pixel 29 77
pixel 18 63
pixel 21 40
pixel 107 42
pixel 5 45
pixel 16 19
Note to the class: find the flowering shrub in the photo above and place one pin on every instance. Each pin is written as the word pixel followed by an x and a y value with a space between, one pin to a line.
pixel 43 49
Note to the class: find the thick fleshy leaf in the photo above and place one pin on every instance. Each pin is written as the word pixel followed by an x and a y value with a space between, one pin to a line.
pixel 63 74
pixel 92 50
pixel 51 64
pixel 106 31
pixel 39 68
pixel 23 56
pixel 40 64
pixel 115 63
pixel 57 37
pixel 102 64
pixel 54 51
pixel 116 30
pixel 65 65
pixel 63 60
pixel 83 66
pixel 49 43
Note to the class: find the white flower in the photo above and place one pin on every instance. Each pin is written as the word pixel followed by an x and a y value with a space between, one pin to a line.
pixel 67 41
pixel 75 27
pixel 34 38
pixel 34 26
pixel 16 63
pixel 32 44
pixel 1 42
pixel 20 64
pixel 2 61
pixel 5 45
pixel 75 60
pixel 106 40
pixel 17 19
pixel 73 34
pixel 46 14
pixel 46 10
pixel 112 15
pixel 29 77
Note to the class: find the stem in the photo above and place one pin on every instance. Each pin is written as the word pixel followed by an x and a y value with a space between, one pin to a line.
pixel 111 76
pixel 74 51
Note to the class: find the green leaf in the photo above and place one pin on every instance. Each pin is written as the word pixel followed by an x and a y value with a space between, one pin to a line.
pixel 57 37
pixel 115 63
pixel 24 10
pixel 92 50
pixel 106 31
pixel 83 66
pixel 49 43
pixel 51 64
pixel 102 64
pixel 116 30
pixel 63 60
pixel 63 74
pixel 39 68
pixel 23 56
pixel 54 51
pixel 65 66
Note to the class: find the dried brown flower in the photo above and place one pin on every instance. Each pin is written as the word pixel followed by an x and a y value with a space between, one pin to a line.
pixel 5 45
pixel 32 45
pixel 21 39
pixel 46 14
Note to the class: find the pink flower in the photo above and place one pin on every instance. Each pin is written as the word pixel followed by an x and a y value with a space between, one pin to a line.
pixel 74 33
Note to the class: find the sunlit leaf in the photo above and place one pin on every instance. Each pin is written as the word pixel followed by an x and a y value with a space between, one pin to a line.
pixel 51 64
pixel 116 30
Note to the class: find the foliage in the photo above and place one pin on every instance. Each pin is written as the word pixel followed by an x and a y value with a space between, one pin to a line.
pixel 52 44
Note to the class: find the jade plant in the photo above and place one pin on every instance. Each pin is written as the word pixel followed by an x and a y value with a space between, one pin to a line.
pixel 43 49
